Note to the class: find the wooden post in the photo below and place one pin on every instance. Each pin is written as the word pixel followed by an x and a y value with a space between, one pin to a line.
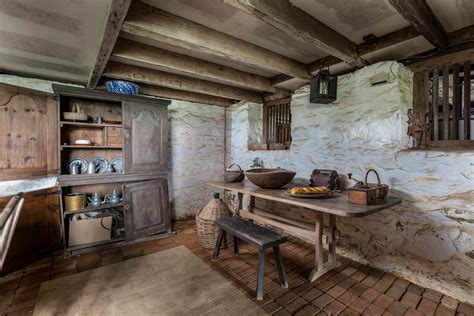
pixel 434 104
pixel 456 101
pixel 467 100
pixel 445 102
pixel 265 123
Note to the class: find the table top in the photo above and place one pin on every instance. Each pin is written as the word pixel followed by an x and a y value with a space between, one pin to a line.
pixel 337 204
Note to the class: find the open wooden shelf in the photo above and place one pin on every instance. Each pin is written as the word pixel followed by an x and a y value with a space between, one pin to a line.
pixel 94 208
pixel 96 178
pixel 89 147
pixel 88 125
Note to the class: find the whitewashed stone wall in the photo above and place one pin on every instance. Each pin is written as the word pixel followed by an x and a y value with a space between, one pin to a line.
pixel 429 239
pixel 196 155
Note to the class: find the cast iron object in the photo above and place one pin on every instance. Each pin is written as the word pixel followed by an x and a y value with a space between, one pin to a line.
pixel 381 189
pixel 325 178
pixel 270 178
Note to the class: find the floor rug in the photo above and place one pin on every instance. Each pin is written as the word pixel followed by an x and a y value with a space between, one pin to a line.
pixel 170 282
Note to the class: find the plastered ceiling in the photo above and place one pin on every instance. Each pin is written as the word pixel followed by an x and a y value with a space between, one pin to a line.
pixel 51 39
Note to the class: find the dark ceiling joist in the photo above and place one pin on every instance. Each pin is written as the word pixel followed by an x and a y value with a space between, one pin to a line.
pixel 154 25
pixel 134 53
pixel 302 26
pixel 421 17
pixel 178 82
pixel 116 15
pixel 382 42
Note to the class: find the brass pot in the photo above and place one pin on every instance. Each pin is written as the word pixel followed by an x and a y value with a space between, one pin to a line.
pixel 74 201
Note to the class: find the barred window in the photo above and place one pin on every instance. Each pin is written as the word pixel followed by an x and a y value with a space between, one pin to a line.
pixel 277 124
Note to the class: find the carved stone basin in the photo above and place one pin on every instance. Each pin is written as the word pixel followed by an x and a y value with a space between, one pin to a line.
pixel 270 178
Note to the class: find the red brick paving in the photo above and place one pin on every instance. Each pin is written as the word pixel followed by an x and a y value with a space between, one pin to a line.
pixel 351 289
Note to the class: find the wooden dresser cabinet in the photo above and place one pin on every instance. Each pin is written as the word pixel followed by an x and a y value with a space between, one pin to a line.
pixel 134 129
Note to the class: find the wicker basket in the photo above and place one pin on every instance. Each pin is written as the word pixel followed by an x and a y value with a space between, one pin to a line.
pixel 206 229
pixel 76 114
pixel 234 175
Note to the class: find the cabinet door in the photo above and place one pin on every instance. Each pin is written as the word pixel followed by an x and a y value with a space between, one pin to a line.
pixel 145 137
pixel 28 133
pixel 146 208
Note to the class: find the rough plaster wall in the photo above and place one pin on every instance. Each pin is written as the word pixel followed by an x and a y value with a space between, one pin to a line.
pixel 196 154
pixel 429 238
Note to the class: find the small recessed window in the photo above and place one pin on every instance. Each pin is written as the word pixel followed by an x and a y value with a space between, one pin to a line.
pixel 277 124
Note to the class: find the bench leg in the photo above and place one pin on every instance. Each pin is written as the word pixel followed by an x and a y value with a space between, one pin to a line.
pixel 218 244
pixel 236 245
pixel 281 269
pixel 261 273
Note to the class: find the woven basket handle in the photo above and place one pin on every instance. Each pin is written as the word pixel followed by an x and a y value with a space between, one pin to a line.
pixel 236 165
pixel 367 175
pixel 199 212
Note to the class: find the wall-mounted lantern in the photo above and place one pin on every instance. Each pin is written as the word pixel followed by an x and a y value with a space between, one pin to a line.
pixel 323 87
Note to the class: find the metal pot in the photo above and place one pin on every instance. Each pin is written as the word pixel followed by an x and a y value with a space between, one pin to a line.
pixel 74 201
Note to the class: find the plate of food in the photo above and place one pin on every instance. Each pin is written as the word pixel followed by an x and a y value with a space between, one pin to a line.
pixel 309 192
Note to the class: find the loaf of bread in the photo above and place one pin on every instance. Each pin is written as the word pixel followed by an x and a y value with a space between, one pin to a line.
pixel 309 190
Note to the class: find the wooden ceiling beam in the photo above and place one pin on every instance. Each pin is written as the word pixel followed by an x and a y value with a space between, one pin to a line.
pixel 184 95
pixel 178 82
pixel 384 41
pixel 134 53
pixel 152 24
pixel 421 17
pixel 302 26
pixel 116 15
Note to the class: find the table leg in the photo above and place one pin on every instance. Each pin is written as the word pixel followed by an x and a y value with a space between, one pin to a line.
pixel 240 197
pixel 321 267
pixel 331 238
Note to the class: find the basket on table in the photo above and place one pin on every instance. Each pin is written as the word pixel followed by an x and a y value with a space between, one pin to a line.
pixel 205 217
pixel 232 175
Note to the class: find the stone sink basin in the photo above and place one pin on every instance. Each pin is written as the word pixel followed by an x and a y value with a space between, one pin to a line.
pixel 270 178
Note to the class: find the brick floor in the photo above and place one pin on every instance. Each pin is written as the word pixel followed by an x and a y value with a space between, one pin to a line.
pixel 351 289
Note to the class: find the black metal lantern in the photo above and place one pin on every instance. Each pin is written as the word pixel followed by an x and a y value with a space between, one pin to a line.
pixel 323 87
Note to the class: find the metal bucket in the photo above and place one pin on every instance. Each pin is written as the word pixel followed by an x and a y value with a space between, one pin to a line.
pixel 74 201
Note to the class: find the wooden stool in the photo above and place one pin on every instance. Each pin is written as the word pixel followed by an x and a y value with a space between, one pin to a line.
pixel 258 236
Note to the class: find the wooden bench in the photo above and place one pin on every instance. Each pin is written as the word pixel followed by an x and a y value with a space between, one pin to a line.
pixel 258 236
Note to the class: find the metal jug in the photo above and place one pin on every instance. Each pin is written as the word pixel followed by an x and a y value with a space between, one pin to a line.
pixel 91 167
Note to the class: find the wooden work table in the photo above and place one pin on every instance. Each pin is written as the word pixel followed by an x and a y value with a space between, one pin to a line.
pixel 335 205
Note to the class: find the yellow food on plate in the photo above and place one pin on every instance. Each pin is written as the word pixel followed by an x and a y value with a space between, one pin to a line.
pixel 309 190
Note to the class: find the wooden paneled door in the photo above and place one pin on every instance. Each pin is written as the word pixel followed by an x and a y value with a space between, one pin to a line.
pixel 146 207
pixel 145 137
pixel 28 133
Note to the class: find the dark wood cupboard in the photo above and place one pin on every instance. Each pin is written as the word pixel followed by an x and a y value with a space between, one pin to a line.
pixel 134 129
pixel 37 140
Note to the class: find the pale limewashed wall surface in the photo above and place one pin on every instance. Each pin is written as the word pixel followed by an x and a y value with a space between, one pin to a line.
pixel 429 239
pixel 196 155
pixel 196 151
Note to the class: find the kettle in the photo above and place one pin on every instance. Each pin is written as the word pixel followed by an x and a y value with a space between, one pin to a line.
pixel 95 200
pixel 113 197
